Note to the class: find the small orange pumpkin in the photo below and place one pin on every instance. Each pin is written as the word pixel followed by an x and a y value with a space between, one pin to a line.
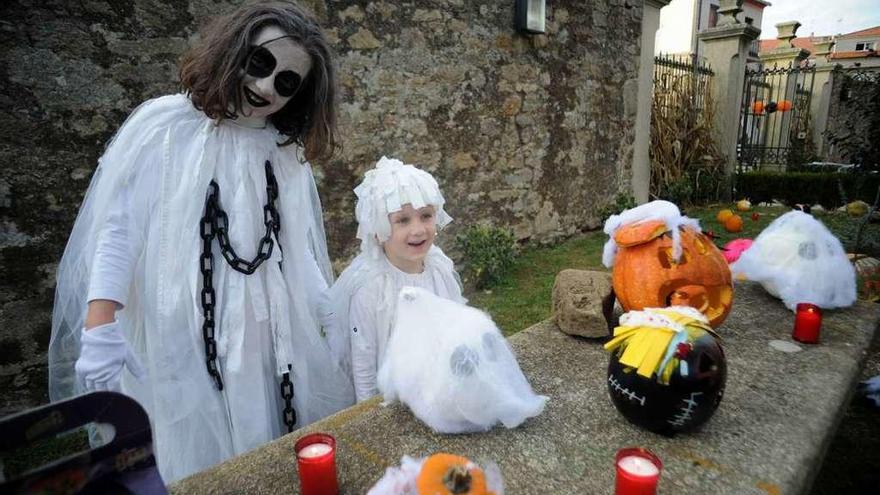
pixel 758 107
pixel 645 274
pixel 783 106
pixel 723 215
pixel 449 474
pixel 733 223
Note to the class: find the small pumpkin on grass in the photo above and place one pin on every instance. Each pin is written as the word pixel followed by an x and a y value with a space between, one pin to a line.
pixel 743 205
pixel 734 223
pixel 449 474
pixel 723 215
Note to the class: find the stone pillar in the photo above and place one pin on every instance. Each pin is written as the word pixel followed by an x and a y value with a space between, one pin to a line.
pixel 820 100
pixel 726 50
pixel 641 170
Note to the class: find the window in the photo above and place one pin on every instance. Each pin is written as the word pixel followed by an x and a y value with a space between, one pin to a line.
pixel 866 46
pixel 713 15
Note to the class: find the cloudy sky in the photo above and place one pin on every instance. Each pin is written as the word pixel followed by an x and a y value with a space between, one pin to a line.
pixel 821 17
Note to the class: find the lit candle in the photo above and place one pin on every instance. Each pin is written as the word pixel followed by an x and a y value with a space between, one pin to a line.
pixel 638 471
pixel 316 464
pixel 807 321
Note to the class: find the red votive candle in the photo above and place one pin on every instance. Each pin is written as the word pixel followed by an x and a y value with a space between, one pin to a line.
pixel 807 321
pixel 316 463
pixel 638 471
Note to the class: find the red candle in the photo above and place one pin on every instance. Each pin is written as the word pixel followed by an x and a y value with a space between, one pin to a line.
pixel 807 320
pixel 638 471
pixel 316 463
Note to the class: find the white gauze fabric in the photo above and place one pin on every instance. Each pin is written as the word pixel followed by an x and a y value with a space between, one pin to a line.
pixel 386 189
pixel 450 364
pixel 797 259
pixel 165 155
pixel 655 210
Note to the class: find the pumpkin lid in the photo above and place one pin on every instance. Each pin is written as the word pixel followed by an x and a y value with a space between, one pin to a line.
pixel 634 234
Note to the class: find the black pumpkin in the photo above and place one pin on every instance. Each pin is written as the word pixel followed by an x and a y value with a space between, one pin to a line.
pixel 685 402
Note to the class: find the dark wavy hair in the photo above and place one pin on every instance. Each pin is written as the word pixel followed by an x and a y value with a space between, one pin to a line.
pixel 212 70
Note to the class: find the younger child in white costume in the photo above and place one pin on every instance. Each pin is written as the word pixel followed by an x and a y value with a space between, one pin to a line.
pixel 399 209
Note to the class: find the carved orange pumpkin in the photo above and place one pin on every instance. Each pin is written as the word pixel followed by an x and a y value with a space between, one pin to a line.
pixel 645 275
pixel 448 474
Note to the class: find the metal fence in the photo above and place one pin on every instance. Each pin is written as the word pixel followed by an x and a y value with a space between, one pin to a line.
pixel 774 122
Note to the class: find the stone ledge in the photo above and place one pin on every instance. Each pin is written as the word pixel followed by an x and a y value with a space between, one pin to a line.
pixel 769 435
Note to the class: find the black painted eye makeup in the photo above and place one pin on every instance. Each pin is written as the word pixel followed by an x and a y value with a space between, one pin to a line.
pixel 261 63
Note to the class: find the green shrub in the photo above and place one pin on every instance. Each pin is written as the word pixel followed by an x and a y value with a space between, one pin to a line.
pixel 830 190
pixel 621 202
pixel 488 253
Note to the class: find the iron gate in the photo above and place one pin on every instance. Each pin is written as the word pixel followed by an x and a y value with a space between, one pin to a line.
pixel 774 119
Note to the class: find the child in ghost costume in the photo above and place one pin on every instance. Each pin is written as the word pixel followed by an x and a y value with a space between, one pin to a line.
pixel 399 210
pixel 450 364
pixel 191 278
pixel 797 259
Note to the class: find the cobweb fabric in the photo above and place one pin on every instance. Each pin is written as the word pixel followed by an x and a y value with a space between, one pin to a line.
pixel 655 210
pixel 451 366
pixel 165 154
pixel 797 259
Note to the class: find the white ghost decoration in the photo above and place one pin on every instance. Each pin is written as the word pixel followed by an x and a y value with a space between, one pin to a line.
pixel 450 364
pixel 797 259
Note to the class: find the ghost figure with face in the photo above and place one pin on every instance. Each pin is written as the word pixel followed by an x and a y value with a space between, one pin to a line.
pixel 797 259
pixel 451 366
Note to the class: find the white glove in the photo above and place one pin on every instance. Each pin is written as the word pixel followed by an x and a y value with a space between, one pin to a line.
pixel 103 353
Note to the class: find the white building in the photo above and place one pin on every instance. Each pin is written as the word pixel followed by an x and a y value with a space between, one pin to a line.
pixel 681 20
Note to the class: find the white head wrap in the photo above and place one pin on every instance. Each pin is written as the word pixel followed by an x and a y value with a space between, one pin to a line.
pixel 388 188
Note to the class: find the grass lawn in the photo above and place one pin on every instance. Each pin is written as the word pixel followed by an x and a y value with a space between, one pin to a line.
pixel 522 298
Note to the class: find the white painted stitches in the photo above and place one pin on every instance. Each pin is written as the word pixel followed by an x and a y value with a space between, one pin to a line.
pixel 685 415
pixel 625 391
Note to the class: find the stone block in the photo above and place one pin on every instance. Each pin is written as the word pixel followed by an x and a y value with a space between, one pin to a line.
pixel 581 299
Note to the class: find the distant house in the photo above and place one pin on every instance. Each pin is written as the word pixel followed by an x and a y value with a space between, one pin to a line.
pixel 857 49
pixel 681 20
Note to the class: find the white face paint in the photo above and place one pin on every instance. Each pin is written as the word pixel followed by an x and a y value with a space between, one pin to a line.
pixel 274 71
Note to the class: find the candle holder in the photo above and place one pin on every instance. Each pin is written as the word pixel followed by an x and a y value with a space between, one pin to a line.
pixel 638 471
pixel 807 322
pixel 316 464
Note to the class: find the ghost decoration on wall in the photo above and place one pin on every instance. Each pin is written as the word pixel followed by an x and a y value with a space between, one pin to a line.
pixel 667 370
pixel 797 259
pixel 451 366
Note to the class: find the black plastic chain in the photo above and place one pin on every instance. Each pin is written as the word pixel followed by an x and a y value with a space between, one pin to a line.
pixel 215 224
pixel 287 395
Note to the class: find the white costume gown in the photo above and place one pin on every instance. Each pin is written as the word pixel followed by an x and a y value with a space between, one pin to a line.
pixel 146 199
pixel 364 300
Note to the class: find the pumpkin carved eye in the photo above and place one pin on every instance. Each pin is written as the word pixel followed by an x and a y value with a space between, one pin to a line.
pixel 464 361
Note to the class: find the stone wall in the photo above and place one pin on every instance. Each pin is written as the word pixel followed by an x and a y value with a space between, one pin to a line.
pixel 532 133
